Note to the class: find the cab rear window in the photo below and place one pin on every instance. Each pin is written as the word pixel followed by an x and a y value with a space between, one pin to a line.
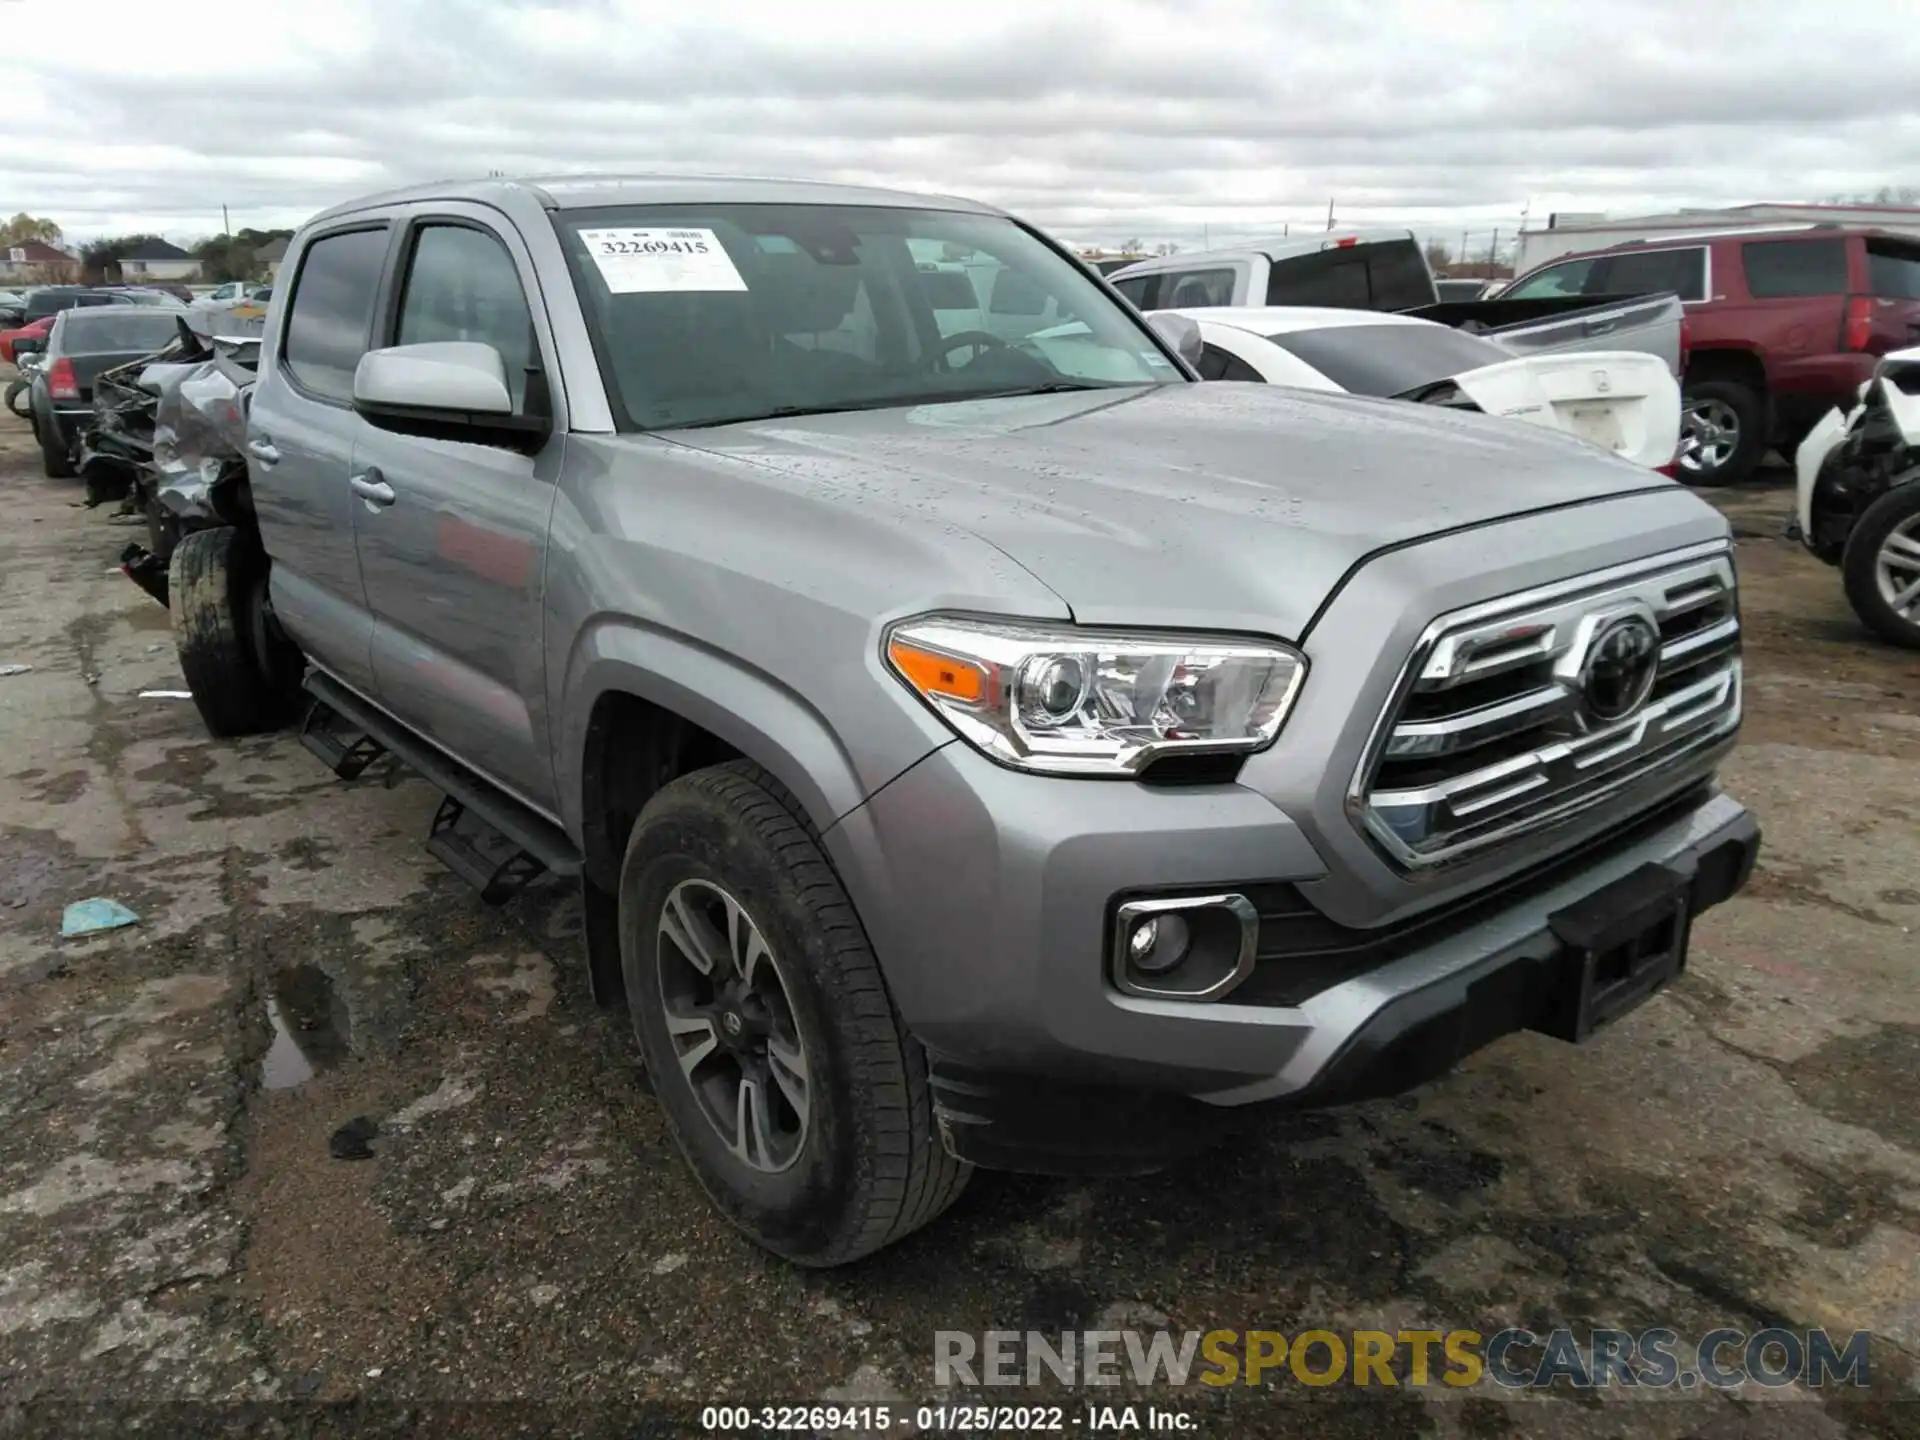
pixel 1383 275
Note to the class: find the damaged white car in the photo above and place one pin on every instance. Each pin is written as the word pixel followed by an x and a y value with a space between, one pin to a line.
pixel 1624 401
pixel 1859 498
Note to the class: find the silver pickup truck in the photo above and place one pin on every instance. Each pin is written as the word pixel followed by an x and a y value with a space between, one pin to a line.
pixel 969 751
pixel 1388 271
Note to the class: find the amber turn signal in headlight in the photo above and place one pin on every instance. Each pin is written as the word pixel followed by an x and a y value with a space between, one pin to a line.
pixel 1062 701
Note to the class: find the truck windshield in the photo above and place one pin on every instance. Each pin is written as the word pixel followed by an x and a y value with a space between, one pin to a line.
pixel 1390 359
pixel 714 314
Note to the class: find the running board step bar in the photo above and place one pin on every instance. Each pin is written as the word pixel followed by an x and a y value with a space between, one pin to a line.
pixel 344 750
pixel 485 836
pixel 479 854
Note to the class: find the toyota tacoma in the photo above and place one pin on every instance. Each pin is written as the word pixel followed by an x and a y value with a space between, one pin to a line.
pixel 974 741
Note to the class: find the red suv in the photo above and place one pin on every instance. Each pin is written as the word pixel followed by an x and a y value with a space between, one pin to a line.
pixel 1782 326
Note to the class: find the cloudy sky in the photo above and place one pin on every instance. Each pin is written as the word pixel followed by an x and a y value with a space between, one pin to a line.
pixel 1171 121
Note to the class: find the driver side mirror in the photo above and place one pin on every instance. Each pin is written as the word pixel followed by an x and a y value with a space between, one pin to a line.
pixel 1181 332
pixel 444 390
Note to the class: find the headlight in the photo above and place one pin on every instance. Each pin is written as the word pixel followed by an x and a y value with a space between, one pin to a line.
pixel 1062 701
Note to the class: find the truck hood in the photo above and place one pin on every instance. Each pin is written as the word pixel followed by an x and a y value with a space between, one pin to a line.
pixel 1216 506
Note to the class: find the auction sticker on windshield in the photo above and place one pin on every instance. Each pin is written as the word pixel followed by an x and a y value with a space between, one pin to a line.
pixel 634 262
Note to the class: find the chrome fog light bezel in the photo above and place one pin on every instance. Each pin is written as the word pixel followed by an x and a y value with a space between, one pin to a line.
pixel 1130 913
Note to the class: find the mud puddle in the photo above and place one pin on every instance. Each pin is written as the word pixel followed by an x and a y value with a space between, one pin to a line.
pixel 311 1031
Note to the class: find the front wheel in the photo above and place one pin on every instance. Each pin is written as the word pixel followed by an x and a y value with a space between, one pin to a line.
pixel 1881 566
pixel 799 1100
pixel 244 674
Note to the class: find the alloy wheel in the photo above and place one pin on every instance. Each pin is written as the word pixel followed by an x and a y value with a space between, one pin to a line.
pixel 1709 435
pixel 1896 569
pixel 730 1021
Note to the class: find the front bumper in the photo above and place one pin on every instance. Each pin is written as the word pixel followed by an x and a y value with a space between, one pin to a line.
pixel 987 895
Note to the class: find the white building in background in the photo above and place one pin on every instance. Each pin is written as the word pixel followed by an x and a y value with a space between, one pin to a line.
pixel 1566 233
pixel 157 260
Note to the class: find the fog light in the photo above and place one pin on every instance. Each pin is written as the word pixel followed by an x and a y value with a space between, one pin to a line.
pixel 1190 947
pixel 1158 943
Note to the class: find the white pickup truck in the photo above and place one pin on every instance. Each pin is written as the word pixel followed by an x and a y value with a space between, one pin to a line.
pixel 1387 270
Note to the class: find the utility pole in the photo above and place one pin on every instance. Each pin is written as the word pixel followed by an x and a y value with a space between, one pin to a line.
pixel 226 227
pixel 1462 252
pixel 1493 248
pixel 1286 228
pixel 1329 212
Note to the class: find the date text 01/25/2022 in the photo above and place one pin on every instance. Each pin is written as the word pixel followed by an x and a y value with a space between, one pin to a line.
pixel 939 1419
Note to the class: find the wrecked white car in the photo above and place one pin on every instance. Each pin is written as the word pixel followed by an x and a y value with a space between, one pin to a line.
pixel 1859 498
pixel 1625 401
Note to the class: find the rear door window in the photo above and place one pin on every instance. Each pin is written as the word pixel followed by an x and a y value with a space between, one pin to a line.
pixel 1196 289
pixel 1649 272
pixel 1893 270
pixel 1569 278
pixel 332 311
pixel 1784 269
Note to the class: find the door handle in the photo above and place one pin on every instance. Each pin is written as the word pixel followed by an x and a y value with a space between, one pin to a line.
pixel 371 488
pixel 263 450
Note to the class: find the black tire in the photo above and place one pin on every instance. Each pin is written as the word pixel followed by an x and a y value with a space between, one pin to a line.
pixel 870 1166
pixel 1750 447
pixel 244 675
pixel 20 398
pixel 1858 566
pixel 55 458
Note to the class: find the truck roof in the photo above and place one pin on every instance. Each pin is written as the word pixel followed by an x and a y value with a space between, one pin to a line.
pixel 1277 248
pixel 1681 239
pixel 579 192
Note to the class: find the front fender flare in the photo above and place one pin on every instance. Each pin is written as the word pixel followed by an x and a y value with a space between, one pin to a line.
pixel 765 720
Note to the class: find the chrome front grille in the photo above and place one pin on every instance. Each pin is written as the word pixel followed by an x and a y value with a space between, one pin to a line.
pixel 1511 715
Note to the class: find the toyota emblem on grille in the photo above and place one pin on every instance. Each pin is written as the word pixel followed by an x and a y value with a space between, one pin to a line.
pixel 1620 667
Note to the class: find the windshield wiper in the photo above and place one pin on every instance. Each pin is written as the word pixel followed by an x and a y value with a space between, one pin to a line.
pixel 785 412
pixel 1050 387
pixel 883 402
